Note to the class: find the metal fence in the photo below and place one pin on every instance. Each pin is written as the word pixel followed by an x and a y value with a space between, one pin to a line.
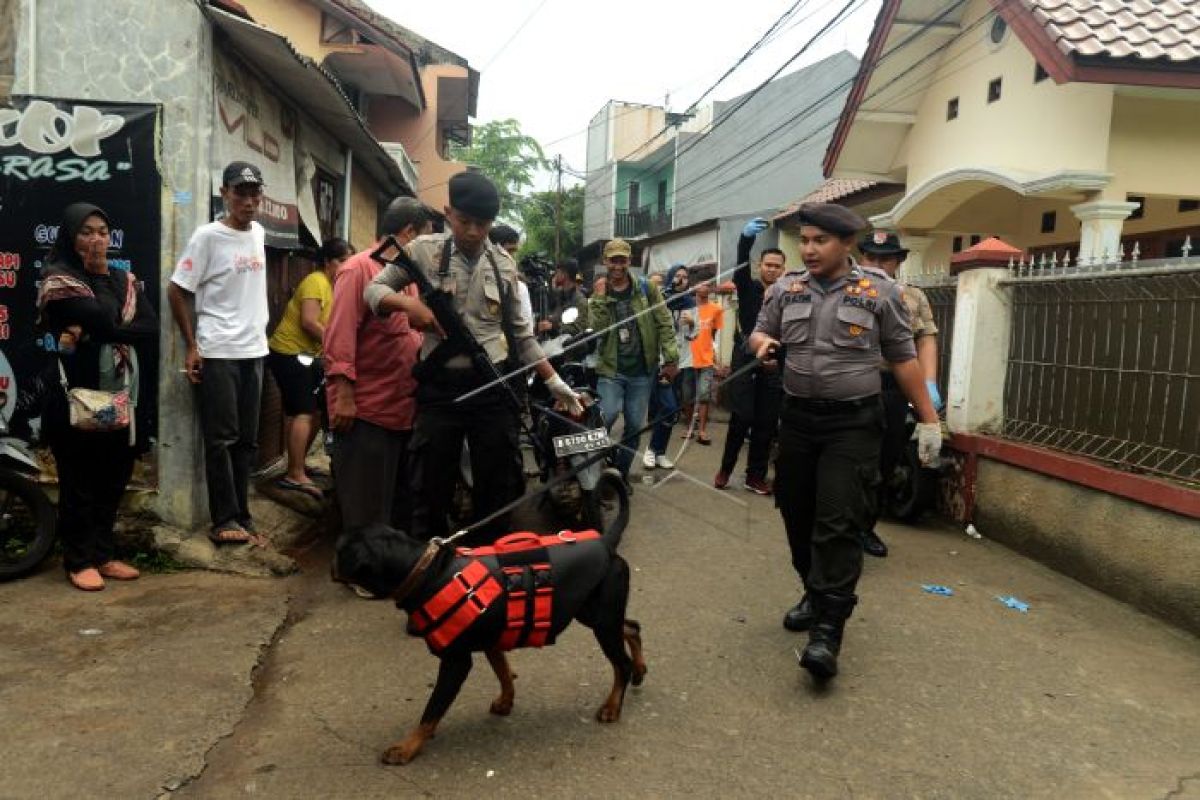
pixel 1104 362
pixel 942 291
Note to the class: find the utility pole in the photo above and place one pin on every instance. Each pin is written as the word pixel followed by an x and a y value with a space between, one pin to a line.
pixel 558 210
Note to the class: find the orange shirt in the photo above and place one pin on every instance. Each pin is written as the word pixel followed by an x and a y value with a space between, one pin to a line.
pixel 712 318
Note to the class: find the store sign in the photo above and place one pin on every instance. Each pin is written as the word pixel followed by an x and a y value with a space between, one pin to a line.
pixel 54 153
pixel 253 125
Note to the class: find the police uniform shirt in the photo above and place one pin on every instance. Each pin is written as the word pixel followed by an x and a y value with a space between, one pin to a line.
pixel 920 313
pixel 477 297
pixel 836 334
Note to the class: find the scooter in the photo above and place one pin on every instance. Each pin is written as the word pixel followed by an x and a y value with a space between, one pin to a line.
pixel 574 454
pixel 26 514
pixel 911 488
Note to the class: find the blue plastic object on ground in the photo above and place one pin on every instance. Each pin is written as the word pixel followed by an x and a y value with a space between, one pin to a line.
pixel 933 588
pixel 1014 603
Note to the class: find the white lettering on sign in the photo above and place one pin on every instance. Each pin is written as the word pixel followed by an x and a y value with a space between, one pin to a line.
pixel 45 129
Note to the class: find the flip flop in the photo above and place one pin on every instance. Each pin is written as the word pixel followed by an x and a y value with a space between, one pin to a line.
pixel 310 489
pixel 316 472
pixel 231 534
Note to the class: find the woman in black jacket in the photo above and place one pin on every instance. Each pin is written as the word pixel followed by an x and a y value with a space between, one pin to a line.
pixel 103 323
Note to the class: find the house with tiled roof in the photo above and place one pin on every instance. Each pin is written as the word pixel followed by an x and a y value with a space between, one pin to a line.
pixel 1057 125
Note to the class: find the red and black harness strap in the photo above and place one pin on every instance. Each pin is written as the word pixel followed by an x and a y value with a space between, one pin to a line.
pixel 445 616
pixel 527 580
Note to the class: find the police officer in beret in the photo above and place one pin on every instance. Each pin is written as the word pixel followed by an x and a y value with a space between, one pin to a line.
pixel 882 250
pixel 482 277
pixel 834 322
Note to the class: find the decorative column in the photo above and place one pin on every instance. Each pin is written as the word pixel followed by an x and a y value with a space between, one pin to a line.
pixel 982 324
pixel 1100 234
pixel 917 246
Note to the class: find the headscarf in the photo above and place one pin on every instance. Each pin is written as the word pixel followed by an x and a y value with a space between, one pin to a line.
pixel 63 254
pixel 677 301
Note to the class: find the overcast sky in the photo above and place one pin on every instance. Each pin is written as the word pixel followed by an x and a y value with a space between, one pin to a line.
pixel 552 64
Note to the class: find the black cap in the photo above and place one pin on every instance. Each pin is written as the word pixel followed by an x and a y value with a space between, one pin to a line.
pixel 831 217
pixel 474 195
pixel 239 172
pixel 882 243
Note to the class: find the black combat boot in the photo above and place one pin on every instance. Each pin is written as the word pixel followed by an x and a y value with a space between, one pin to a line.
pixel 800 616
pixel 825 637
pixel 873 545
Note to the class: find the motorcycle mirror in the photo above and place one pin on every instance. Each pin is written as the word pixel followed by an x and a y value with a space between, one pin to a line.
pixel 570 315
pixel 305 359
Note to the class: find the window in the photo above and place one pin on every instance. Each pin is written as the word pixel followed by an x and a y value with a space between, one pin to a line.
pixel 1140 211
pixel 956 245
pixel 975 239
pixel 952 109
pixel 662 197
pixel 1188 205
pixel 994 90
pixel 999 28
pixel 1040 74
pixel 1049 221
pixel 635 190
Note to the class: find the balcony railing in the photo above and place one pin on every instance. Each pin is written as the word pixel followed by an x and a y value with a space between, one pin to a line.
pixel 644 221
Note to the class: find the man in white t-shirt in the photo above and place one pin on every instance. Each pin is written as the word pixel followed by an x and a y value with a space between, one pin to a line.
pixel 224 271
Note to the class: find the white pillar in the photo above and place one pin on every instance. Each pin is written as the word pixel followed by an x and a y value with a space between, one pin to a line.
pixel 979 362
pixel 917 246
pixel 1100 234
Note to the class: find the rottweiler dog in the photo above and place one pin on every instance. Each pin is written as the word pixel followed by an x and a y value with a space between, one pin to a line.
pixel 590 584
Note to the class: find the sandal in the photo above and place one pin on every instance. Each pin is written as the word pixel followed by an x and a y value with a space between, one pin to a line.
pixel 118 571
pixel 316 472
pixel 703 439
pixel 87 580
pixel 230 534
pixel 310 489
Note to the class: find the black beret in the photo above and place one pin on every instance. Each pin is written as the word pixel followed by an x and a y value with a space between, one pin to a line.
pixel 831 217
pixel 882 243
pixel 474 195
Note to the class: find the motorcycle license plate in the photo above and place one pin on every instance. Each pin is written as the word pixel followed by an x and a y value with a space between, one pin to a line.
pixel 583 442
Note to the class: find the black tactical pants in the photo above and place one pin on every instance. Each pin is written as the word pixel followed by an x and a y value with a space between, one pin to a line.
pixel 826 480
pixel 490 426
pixel 754 398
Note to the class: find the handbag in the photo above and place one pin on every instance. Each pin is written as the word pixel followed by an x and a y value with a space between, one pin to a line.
pixel 97 410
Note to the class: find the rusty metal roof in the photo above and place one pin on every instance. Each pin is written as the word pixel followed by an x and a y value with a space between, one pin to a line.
pixel 1122 29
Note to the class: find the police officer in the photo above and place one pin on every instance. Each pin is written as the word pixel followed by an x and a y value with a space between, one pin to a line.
pixel 834 321
pixel 483 280
pixel 882 250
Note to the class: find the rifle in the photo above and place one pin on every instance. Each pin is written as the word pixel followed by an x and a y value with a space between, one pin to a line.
pixel 458 339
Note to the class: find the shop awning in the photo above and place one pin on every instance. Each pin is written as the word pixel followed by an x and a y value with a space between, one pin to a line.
pixel 314 90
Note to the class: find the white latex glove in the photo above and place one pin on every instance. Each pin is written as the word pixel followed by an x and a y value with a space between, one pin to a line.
pixel 565 395
pixel 929 442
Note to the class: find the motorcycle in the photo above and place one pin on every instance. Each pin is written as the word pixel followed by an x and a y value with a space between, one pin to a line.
pixel 911 488
pixel 574 454
pixel 26 514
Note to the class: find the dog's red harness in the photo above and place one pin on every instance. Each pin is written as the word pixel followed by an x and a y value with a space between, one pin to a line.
pixel 527 581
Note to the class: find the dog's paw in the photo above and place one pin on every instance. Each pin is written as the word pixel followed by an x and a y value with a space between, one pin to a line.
pixel 608 713
pixel 501 707
pixel 400 753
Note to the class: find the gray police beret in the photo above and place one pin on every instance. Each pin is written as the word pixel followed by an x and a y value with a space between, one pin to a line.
pixel 474 195
pixel 831 217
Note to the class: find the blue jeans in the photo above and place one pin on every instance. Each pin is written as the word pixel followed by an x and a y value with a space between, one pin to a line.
pixel 664 410
pixel 628 395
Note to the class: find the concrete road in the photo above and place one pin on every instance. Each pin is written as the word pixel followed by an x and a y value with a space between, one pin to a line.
pixel 940 697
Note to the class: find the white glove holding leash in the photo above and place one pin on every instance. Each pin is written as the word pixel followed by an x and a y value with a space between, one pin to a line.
pixel 929 442
pixel 570 400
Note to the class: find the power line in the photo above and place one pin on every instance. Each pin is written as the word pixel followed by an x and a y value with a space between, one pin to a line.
pixel 514 35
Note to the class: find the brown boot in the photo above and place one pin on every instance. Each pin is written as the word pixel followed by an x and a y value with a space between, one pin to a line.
pixel 87 580
pixel 119 571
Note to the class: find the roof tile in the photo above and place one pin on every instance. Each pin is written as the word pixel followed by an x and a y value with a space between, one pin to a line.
pixel 1122 29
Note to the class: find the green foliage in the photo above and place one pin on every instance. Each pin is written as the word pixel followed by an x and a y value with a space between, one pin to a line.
pixel 537 223
pixel 508 157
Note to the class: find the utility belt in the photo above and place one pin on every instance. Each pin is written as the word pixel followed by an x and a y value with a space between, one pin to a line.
pixel 447 384
pixel 524 577
pixel 818 406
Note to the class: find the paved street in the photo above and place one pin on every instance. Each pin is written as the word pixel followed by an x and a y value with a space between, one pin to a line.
pixel 940 697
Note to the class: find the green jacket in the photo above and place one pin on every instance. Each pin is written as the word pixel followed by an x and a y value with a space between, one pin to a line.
pixel 655 328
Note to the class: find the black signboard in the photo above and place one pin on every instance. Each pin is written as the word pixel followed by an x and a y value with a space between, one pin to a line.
pixel 54 153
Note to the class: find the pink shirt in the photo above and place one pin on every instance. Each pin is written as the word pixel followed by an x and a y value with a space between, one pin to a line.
pixel 376 354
